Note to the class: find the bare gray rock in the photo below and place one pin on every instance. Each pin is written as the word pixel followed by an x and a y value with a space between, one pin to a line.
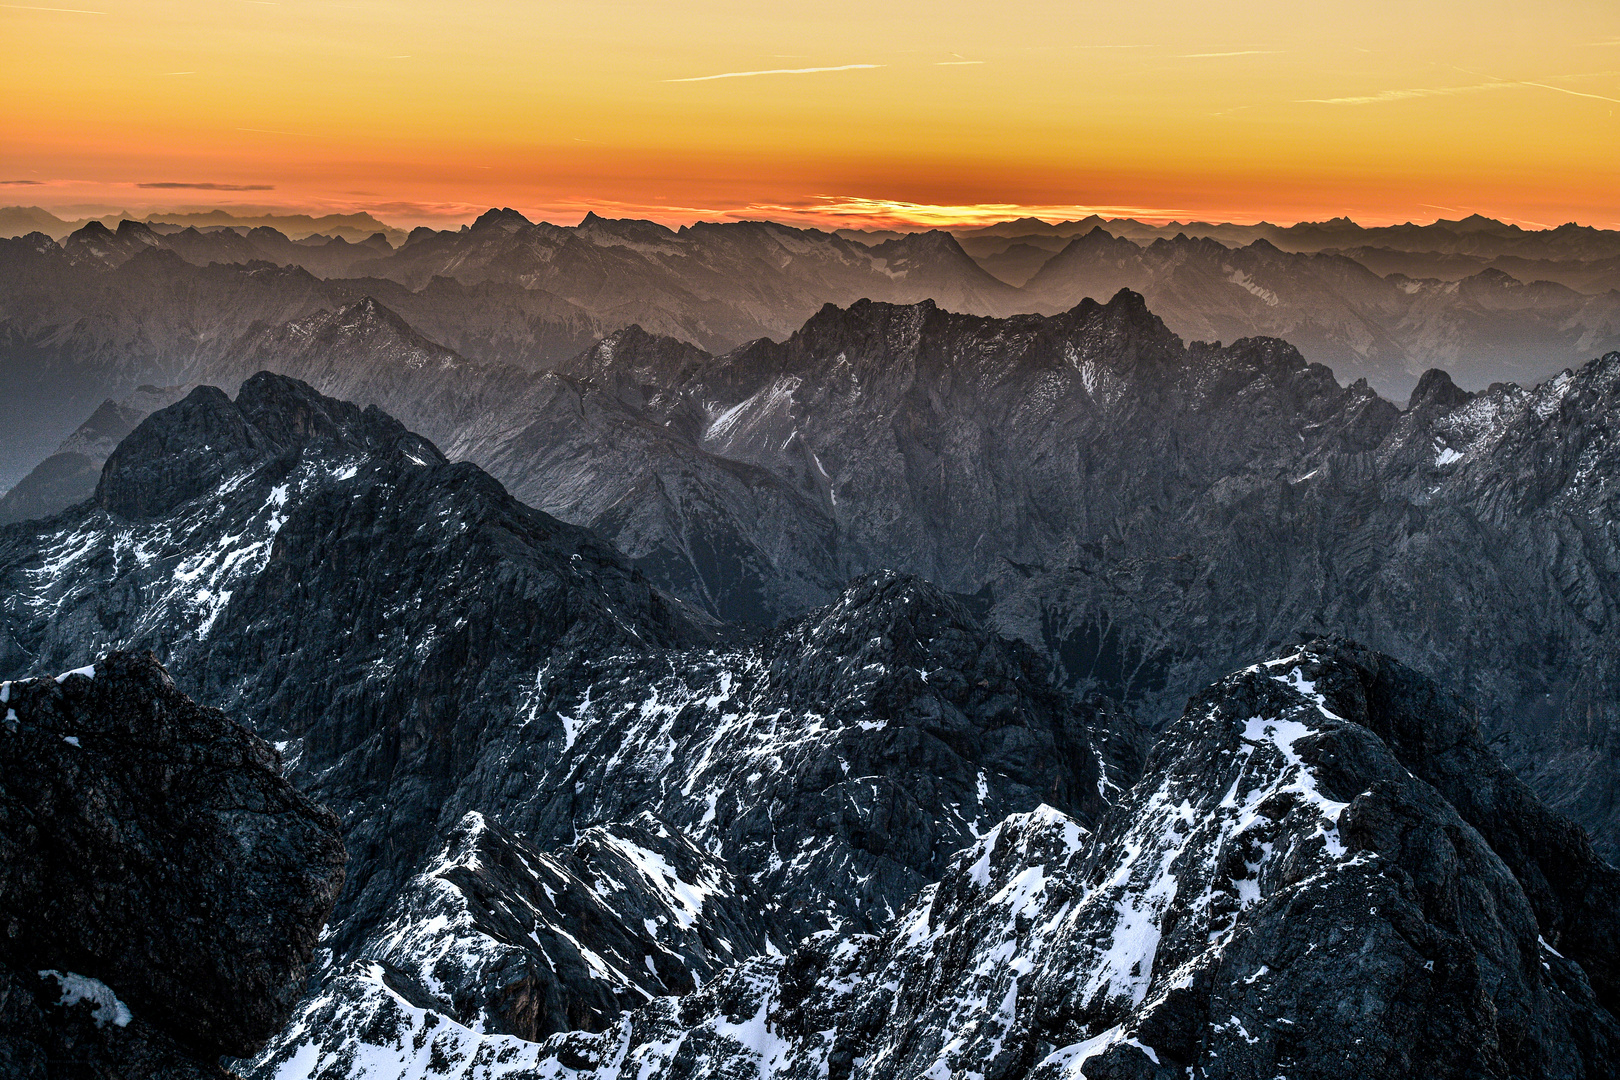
pixel 154 863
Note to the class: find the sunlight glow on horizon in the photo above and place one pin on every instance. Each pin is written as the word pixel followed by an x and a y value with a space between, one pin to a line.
pixel 954 115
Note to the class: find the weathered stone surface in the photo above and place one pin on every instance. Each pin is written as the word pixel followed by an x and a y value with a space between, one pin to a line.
pixel 152 845
pixel 1278 896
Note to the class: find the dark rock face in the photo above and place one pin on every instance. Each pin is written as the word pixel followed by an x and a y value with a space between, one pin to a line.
pixel 1278 895
pixel 1148 514
pixel 152 855
pixel 1574 893
pixel 812 780
pixel 839 763
pixel 61 1023
pixel 480 690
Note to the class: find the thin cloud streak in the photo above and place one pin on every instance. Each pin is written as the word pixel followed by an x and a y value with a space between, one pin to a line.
pixel 63 10
pixel 1573 93
pixel 1243 52
pixel 1402 95
pixel 1449 91
pixel 170 185
pixel 776 71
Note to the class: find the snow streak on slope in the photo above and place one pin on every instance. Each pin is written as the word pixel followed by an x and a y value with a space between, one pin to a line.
pixel 188 567
pixel 1219 920
pixel 495 937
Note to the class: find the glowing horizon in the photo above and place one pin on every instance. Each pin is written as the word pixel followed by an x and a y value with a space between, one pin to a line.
pixel 828 213
pixel 825 113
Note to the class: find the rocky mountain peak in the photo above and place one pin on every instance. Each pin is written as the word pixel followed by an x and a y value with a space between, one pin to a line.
pixel 179 452
pixel 1436 389
pixel 368 316
pixel 504 218
pixel 1124 331
pixel 631 359
pixel 128 228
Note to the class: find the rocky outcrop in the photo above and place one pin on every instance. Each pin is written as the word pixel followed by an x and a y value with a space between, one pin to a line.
pixel 1148 513
pixel 1278 895
pixel 162 887
pixel 837 764
pixel 806 783
pixel 488 696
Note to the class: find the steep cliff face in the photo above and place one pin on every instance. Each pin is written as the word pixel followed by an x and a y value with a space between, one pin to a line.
pixel 162 887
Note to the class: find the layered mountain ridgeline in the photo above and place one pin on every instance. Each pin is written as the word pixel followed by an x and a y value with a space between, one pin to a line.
pixel 1485 326
pixel 560 792
pixel 1473 237
pixel 578 443
pixel 313 231
pixel 1144 513
pixel 106 310
pixel 1324 872
pixel 162 887
pixel 1147 514
pixel 75 332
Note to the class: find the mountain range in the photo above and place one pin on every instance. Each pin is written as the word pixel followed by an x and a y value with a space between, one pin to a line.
pixel 22 220
pixel 1144 513
pixel 591 830
pixel 105 310
pixel 916 688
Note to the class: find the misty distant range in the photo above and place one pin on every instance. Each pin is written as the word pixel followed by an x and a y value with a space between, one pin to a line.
pixel 1485 300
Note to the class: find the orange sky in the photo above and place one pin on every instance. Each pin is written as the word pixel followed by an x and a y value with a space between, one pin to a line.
pixel 939 111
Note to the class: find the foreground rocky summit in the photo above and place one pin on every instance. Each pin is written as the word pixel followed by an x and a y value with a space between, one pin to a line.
pixel 1289 891
pixel 563 793
pixel 162 887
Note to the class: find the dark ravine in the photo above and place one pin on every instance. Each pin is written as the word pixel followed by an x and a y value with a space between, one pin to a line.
pixel 162 887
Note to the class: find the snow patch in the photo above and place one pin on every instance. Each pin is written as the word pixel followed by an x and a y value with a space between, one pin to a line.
pixel 77 988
